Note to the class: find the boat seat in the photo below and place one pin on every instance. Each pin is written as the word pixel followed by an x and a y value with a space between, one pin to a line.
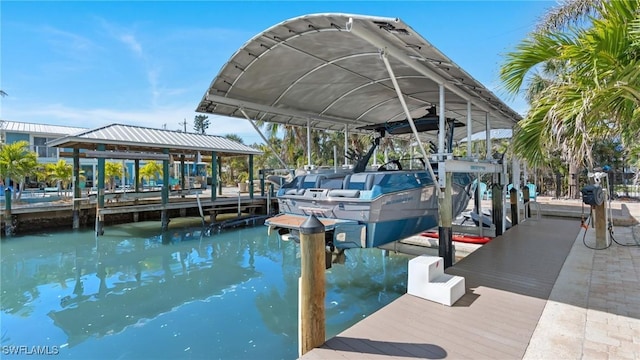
pixel 359 181
pixel 344 193
pixel 311 181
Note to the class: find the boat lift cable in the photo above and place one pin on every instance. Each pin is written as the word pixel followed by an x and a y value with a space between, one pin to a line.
pixel 275 153
pixel 409 118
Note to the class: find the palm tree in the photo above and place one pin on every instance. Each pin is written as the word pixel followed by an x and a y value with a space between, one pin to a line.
pixel 150 170
pixel 16 163
pixel 61 172
pixel 593 92
pixel 111 170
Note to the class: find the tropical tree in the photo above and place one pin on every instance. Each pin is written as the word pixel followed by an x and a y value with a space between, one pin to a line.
pixel 201 124
pixel 235 164
pixel 61 173
pixel 592 94
pixel 16 163
pixel 150 170
pixel 111 170
pixel 3 94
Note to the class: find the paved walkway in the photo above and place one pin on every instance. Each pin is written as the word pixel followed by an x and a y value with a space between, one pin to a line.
pixel 593 311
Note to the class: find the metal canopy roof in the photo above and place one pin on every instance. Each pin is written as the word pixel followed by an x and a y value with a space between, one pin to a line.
pixel 135 138
pixel 43 129
pixel 327 69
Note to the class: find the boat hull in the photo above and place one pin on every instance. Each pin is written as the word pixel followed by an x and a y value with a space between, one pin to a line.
pixel 393 206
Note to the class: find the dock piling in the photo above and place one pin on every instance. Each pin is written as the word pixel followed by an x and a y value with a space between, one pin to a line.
pixel 311 316
pixel 513 197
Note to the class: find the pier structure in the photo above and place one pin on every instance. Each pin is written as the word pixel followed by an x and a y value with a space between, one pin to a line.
pixel 125 142
pixel 367 72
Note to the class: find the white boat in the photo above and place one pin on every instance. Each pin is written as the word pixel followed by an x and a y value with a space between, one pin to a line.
pixel 364 208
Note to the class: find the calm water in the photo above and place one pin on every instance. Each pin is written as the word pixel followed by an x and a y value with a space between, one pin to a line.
pixel 231 295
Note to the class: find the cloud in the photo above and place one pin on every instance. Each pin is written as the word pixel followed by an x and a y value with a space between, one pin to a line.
pixel 132 43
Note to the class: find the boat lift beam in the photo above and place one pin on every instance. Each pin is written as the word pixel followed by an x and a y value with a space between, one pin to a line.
pixel 408 113
pixel 264 139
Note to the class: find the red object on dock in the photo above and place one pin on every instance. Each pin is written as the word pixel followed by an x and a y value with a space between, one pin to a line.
pixel 471 239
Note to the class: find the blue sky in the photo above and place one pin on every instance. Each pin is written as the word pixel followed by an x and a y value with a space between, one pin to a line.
pixel 149 63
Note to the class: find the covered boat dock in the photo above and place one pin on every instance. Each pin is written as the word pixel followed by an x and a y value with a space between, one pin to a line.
pixel 353 73
pixel 117 141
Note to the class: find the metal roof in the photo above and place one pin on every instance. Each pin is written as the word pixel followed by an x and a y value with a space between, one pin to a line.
pixel 328 69
pixel 44 129
pixel 135 138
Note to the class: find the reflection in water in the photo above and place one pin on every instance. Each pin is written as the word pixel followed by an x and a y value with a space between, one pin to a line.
pixel 139 294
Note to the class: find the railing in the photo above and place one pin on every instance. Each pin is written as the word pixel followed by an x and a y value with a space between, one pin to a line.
pixel 627 191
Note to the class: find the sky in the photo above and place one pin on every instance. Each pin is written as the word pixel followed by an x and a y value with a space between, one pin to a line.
pixel 149 63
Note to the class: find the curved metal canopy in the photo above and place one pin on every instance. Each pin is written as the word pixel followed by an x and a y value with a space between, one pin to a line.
pixel 327 69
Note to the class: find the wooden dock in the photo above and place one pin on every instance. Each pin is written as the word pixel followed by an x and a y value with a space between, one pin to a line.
pixel 508 283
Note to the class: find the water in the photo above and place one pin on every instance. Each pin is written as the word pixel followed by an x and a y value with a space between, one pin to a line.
pixel 231 295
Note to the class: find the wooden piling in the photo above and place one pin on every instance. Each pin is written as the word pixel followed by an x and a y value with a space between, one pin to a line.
pixel 8 223
pixel 600 225
pixel 513 196
pixel 525 199
pixel 76 189
pixel 497 206
pixel 311 316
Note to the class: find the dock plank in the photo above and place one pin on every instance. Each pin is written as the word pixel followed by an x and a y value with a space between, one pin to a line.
pixel 508 283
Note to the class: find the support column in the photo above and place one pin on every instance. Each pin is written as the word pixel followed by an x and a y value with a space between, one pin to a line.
pixel 312 285
pixel 76 188
pixel 309 143
pixel 346 143
pixel 214 175
pixel 182 176
pixel 600 224
pixel 8 223
pixel 469 129
pixel 220 172
pixel 497 202
pixel 516 185
pixel 513 197
pixel 445 214
pixel 488 137
pixel 251 176
pixel 100 202
pixel 136 171
pixel 164 214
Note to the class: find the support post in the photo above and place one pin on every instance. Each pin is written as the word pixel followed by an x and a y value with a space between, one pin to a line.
pixel 261 175
pixel 8 223
pixel 214 174
pixel 164 214
pixel 469 129
pixel 497 202
pixel 600 225
pixel 100 202
pixel 346 144
pixel 513 197
pixel 251 176
pixel 525 198
pixel 76 188
pixel 309 143
pixel 183 184
pixel 312 285
pixel 445 213
pixel 220 182
pixel 136 171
